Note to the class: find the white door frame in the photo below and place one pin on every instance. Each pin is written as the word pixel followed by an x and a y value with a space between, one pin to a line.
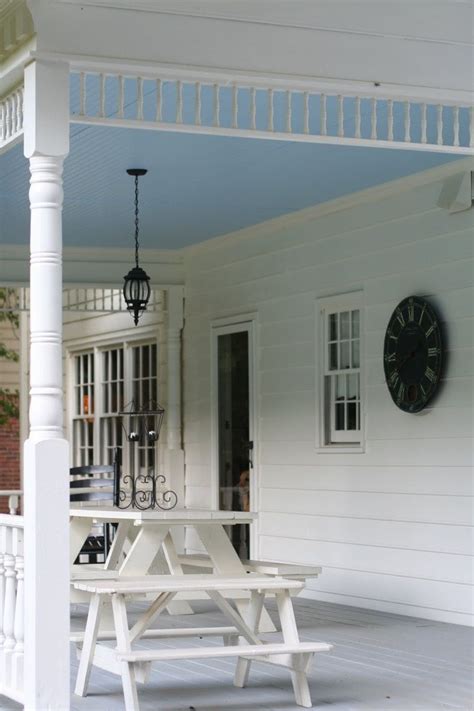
pixel 221 327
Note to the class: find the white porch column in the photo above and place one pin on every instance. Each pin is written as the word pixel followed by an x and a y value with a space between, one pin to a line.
pixel 174 454
pixel 46 461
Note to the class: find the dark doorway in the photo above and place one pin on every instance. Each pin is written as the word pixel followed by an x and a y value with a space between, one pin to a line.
pixel 234 455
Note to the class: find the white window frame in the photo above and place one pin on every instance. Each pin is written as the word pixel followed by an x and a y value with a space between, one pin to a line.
pixel 96 347
pixel 324 307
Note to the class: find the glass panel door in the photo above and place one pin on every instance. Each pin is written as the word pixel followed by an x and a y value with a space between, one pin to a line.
pixel 234 442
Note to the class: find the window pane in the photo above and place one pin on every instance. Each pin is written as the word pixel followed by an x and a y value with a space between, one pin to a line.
pixel 352 416
pixel 340 387
pixel 333 327
pixel 355 324
pixel 352 387
pixel 340 416
pixel 345 363
pixel 355 354
pixel 344 324
pixel 333 356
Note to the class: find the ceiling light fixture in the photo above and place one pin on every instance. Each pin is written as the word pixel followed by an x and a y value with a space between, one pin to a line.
pixel 136 287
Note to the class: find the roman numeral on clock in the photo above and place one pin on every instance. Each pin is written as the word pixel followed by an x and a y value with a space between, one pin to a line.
pixel 430 330
pixel 430 374
pixel 433 352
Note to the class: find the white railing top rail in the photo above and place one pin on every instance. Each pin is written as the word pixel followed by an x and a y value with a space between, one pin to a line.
pixel 12 520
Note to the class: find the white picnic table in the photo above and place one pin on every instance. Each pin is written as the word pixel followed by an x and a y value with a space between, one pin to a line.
pixel 143 542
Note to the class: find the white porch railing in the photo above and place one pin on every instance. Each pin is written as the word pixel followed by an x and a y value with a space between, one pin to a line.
pixel 11 117
pixel 13 496
pixel 282 110
pixel 11 606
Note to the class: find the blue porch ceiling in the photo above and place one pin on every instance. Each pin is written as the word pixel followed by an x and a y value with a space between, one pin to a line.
pixel 198 186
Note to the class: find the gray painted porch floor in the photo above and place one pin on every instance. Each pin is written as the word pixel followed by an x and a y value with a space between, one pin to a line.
pixel 379 662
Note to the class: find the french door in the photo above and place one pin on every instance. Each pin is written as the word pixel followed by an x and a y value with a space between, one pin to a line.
pixel 233 380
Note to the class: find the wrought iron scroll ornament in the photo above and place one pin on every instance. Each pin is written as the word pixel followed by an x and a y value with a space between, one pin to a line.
pixel 142 487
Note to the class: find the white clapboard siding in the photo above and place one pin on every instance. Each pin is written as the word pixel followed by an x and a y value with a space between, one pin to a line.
pixel 408 535
pixel 441 481
pixel 445 567
pixel 368 518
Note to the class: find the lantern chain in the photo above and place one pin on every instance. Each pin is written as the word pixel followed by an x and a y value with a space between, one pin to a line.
pixel 136 220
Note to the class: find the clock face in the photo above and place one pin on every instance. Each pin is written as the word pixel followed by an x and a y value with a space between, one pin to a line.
pixel 413 352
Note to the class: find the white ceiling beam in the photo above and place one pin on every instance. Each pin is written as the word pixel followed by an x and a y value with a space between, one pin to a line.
pixel 95 267
pixel 326 47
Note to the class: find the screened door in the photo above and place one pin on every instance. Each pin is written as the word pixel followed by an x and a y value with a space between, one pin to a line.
pixel 234 427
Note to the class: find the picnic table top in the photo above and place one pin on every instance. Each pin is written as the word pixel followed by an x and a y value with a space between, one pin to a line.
pixel 175 516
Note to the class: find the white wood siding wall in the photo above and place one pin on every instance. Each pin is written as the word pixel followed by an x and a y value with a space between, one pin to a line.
pixel 390 526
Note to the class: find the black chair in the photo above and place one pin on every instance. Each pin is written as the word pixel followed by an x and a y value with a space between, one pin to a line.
pixel 94 483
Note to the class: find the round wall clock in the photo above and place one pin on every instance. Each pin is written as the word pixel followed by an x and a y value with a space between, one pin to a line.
pixel 413 354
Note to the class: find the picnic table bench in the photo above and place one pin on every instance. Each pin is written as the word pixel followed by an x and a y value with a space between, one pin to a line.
pixel 240 637
pixel 265 567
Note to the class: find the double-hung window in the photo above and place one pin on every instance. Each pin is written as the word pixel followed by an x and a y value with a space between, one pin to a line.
pixel 340 377
pixel 105 381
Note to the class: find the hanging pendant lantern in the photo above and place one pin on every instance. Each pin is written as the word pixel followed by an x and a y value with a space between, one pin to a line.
pixel 136 287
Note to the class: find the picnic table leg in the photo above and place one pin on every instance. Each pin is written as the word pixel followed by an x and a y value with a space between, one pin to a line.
pixel 88 646
pixel 227 562
pixel 124 645
pixel 167 561
pixel 290 635
pixel 254 612
pixel 117 548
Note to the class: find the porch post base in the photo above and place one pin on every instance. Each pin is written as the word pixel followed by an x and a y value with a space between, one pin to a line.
pixel 46 575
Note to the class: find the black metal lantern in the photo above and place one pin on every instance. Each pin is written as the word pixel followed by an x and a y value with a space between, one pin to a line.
pixel 139 485
pixel 136 287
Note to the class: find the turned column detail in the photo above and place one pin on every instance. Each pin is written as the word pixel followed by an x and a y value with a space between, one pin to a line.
pixel 46 388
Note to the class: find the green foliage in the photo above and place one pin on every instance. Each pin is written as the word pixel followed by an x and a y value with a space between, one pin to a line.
pixel 8 399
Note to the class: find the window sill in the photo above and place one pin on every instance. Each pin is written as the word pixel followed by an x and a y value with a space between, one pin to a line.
pixel 341 449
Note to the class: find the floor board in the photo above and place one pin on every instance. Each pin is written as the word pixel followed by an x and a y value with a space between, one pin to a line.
pixel 380 662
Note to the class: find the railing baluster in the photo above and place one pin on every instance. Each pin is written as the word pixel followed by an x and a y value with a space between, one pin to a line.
pixel 288 112
pixel 102 96
pixel 423 124
pixel 407 122
pixel 270 110
pixel 3 534
pixel 82 94
pixel 139 99
pixel 439 130
pixel 323 128
pixel 179 101
pixel 121 96
pixel 198 104
pixel 373 119
pixel 390 120
pixel 340 116
pixel 456 126
pixel 19 622
pixel 8 119
pixel 357 117
pixel 235 106
pixel 253 108
pixel 9 611
pixel 159 100
pixel 306 112
pixel 2 121
pixel 471 127
pixel 217 108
